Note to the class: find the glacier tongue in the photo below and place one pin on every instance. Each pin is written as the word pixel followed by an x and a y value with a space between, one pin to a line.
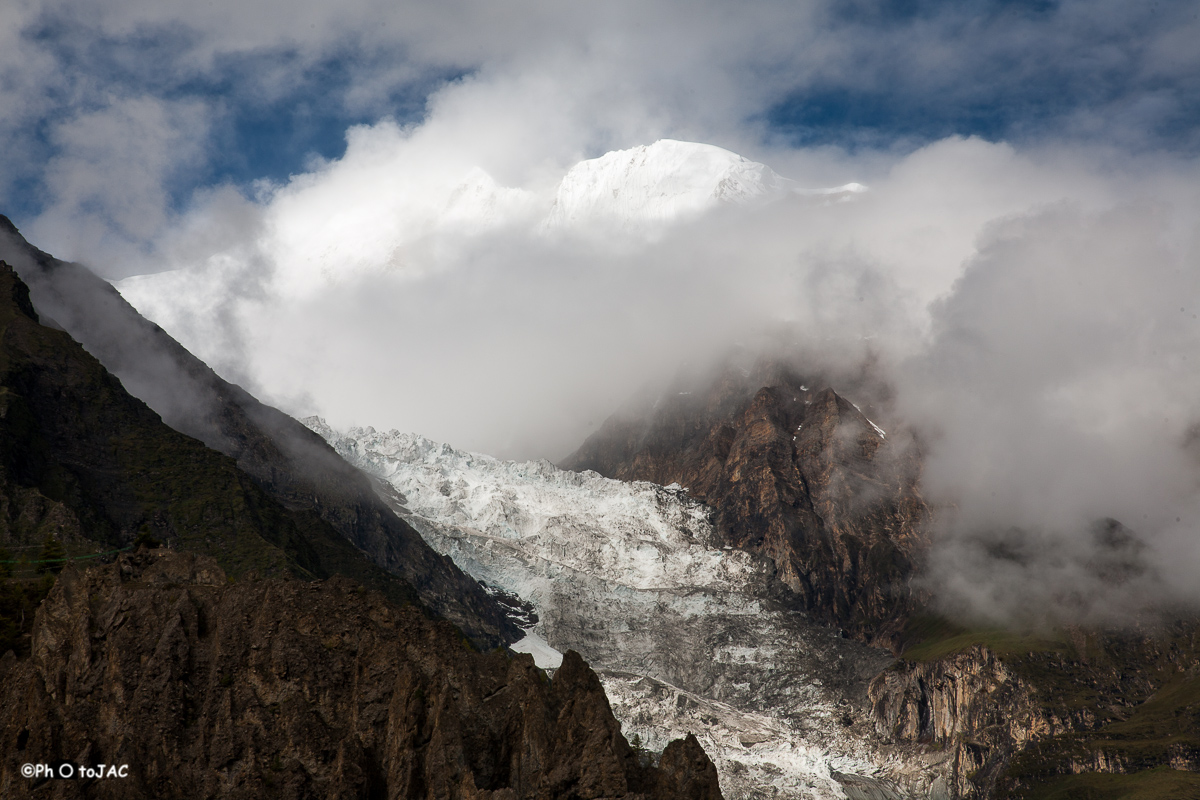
pixel 682 632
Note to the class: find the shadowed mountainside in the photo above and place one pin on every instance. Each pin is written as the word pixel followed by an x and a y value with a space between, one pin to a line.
pixel 86 468
pixel 289 462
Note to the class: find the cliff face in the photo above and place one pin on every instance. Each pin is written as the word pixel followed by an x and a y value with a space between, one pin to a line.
pixel 970 704
pixel 263 688
pixel 286 460
pixel 795 471
pixel 1040 716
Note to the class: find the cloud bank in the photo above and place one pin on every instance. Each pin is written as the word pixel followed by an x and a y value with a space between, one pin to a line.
pixel 1034 309
pixel 405 286
pixel 236 90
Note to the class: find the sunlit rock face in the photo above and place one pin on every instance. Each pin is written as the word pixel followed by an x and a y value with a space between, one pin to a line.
pixel 795 472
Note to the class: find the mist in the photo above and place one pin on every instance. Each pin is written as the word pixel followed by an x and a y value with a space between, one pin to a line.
pixel 1059 390
pixel 1033 309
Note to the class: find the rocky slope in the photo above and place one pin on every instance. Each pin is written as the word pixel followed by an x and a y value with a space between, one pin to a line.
pixel 282 457
pixel 85 468
pixel 207 688
pixel 684 631
pixel 971 704
pixel 793 471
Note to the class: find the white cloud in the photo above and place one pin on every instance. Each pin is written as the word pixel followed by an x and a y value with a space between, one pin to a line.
pixel 109 183
pixel 407 264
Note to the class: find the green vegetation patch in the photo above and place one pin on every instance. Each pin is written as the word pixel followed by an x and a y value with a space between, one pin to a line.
pixel 1162 783
pixel 1172 714
pixel 929 638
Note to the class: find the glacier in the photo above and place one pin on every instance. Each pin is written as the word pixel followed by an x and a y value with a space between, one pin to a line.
pixel 686 635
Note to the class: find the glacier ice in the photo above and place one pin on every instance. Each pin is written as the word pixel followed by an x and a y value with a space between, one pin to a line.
pixel 683 630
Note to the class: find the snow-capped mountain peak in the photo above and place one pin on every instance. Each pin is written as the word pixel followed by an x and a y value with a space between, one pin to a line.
pixel 657 183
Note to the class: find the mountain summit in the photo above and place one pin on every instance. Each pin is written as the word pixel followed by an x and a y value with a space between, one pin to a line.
pixel 657 183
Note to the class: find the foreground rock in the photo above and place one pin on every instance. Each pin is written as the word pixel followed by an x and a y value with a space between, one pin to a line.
pixel 266 688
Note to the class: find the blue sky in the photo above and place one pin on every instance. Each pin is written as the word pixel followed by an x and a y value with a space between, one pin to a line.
pixel 254 90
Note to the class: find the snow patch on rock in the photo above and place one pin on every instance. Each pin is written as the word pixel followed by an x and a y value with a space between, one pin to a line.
pixel 543 654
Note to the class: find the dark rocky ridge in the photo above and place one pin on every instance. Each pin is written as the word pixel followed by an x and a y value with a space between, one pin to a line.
pixel 88 468
pixel 792 470
pixel 288 461
pixel 266 688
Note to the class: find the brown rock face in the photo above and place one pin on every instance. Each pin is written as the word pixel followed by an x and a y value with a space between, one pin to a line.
pixel 970 702
pixel 792 470
pixel 686 770
pixel 1014 722
pixel 265 688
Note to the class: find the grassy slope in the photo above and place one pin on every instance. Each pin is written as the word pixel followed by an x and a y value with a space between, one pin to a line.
pixel 1160 783
pixel 930 638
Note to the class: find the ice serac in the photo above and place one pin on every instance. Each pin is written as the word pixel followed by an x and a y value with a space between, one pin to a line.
pixel 685 632
pixel 794 471
pixel 284 458
pixel 204 687
pixel 662 182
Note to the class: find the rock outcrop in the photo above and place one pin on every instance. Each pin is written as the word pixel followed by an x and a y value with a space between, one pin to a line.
pixel 970 704
pixel 208 688
pixel 793 470
pixel 1042 713
pixel 285 459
